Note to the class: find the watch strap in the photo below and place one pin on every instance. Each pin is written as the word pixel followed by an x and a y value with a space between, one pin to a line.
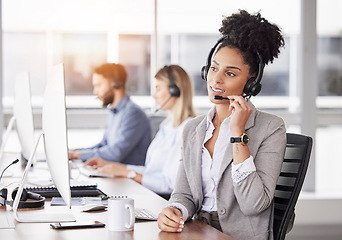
pixel 235 139
pixel 244 139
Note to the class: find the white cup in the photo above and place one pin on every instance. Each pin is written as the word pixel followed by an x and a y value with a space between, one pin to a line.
pixel 121 215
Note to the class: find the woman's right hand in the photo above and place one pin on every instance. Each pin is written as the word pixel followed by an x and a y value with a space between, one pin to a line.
pixel 170 220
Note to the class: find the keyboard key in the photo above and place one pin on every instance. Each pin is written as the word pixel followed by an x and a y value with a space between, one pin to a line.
pixel 144 214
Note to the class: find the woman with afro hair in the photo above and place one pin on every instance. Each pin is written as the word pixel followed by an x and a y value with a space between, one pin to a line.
pixel 232 156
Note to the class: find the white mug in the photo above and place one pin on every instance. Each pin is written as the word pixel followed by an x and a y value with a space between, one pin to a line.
pixel 121 215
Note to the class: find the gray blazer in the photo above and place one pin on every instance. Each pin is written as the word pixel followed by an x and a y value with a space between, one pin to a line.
pixel 245 209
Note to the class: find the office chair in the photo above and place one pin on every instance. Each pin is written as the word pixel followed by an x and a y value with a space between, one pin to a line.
pixel 290 182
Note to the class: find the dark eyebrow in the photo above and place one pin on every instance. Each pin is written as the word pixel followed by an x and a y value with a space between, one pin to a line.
pixel 233 67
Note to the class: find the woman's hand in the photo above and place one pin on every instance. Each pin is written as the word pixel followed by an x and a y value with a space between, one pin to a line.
pixel 114 168
pixel 170 220
pixel 240 114
pixel 106 167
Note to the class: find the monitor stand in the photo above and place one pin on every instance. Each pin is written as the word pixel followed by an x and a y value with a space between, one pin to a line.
pixel 35 217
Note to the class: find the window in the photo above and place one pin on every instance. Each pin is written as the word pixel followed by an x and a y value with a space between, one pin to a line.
pixel 330 66
pixel 85 33
pixel 80 53
pixel 22 53
pixel 135 55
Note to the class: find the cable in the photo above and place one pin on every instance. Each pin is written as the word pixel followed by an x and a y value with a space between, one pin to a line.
pixel 14 162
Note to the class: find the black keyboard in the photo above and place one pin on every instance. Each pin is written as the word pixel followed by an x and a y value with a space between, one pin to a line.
pixel 76 191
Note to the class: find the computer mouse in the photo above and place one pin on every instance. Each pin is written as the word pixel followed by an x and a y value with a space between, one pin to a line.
pixel 93 207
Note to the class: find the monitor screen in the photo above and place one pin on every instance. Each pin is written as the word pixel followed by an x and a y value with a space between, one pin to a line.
pixel 55 132
pixel 22 111
pixel 23 119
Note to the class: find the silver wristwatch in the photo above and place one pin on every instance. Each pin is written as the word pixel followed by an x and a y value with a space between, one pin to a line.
pixel 131 174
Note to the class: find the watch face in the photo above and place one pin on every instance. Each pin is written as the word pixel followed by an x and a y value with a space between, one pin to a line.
pixel 132 174
pixel 245 139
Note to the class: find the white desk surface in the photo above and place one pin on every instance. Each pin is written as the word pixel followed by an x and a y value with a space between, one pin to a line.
pixel 143 198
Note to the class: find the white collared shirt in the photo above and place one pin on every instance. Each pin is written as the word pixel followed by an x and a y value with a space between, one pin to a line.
pixel 211 165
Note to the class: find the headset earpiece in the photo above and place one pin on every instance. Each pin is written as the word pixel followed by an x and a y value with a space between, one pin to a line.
pixel 174 89
pixel 253 85
pixel 24 195
pixel 116 85
pixel 204 72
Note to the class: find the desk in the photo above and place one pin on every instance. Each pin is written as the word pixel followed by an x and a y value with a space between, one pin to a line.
pixel 143 198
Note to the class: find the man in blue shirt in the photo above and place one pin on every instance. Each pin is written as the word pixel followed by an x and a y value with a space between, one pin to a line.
pixel 128 131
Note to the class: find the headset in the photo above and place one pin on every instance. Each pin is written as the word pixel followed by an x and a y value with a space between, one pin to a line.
pixel 115 70
pixel 36 200
pixel 253 85
pixel 116 85
pixel 174 89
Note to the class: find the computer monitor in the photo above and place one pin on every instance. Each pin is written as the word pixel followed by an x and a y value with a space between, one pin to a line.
pixel 22 111
pixel 55 132
pixel 56 148
pixel 23 118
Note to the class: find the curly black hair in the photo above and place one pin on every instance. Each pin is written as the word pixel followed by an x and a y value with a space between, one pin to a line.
pixel 251 34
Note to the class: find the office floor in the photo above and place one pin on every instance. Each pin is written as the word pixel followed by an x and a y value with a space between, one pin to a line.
pixel 327 232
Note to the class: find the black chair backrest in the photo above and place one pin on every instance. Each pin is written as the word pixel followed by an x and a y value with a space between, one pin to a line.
pixel 290 182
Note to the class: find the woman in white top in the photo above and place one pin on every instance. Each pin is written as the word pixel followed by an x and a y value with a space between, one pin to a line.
pixel 173 93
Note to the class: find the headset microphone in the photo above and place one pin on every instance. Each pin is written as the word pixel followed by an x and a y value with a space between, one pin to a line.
pixel 35 200
pixel 163 104
pixel 217 97
pixel 14 162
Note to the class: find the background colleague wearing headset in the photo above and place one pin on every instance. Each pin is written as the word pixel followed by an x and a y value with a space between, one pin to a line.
pixel 128 131
pixel 223 179
pixel 173 93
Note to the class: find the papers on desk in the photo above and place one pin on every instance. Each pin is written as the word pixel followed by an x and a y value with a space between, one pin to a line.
pixel 6 221
pixel 79 201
